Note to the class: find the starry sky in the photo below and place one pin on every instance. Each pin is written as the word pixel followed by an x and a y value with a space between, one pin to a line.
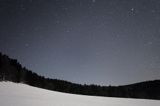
pixel 105 42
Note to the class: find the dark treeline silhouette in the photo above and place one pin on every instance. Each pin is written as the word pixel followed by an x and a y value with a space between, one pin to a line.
pixel 11 70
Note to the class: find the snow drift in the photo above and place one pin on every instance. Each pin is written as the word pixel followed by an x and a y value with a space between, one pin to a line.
pixel 13 94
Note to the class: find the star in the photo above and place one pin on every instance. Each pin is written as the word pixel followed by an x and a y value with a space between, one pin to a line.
pixel 57 22
pixel 26 45
pixel 93 1
pixel 133 11
pixel 68 31
pixel 66 9
pixel 148 43
pixel 153 11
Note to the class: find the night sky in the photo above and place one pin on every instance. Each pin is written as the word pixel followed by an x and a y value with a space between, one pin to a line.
pixel 106 42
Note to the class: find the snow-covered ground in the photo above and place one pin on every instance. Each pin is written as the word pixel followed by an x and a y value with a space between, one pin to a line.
pixel 13 94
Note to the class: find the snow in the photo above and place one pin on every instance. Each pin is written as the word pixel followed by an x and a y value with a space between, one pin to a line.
pixel 13 94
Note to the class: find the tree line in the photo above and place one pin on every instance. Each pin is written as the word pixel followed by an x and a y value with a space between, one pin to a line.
pixel 12 70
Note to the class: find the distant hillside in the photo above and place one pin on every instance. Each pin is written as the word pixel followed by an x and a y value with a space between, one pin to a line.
pixel 11 70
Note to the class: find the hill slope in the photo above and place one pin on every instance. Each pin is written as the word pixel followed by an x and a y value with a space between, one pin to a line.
pixel 12 70
pixel 13 94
